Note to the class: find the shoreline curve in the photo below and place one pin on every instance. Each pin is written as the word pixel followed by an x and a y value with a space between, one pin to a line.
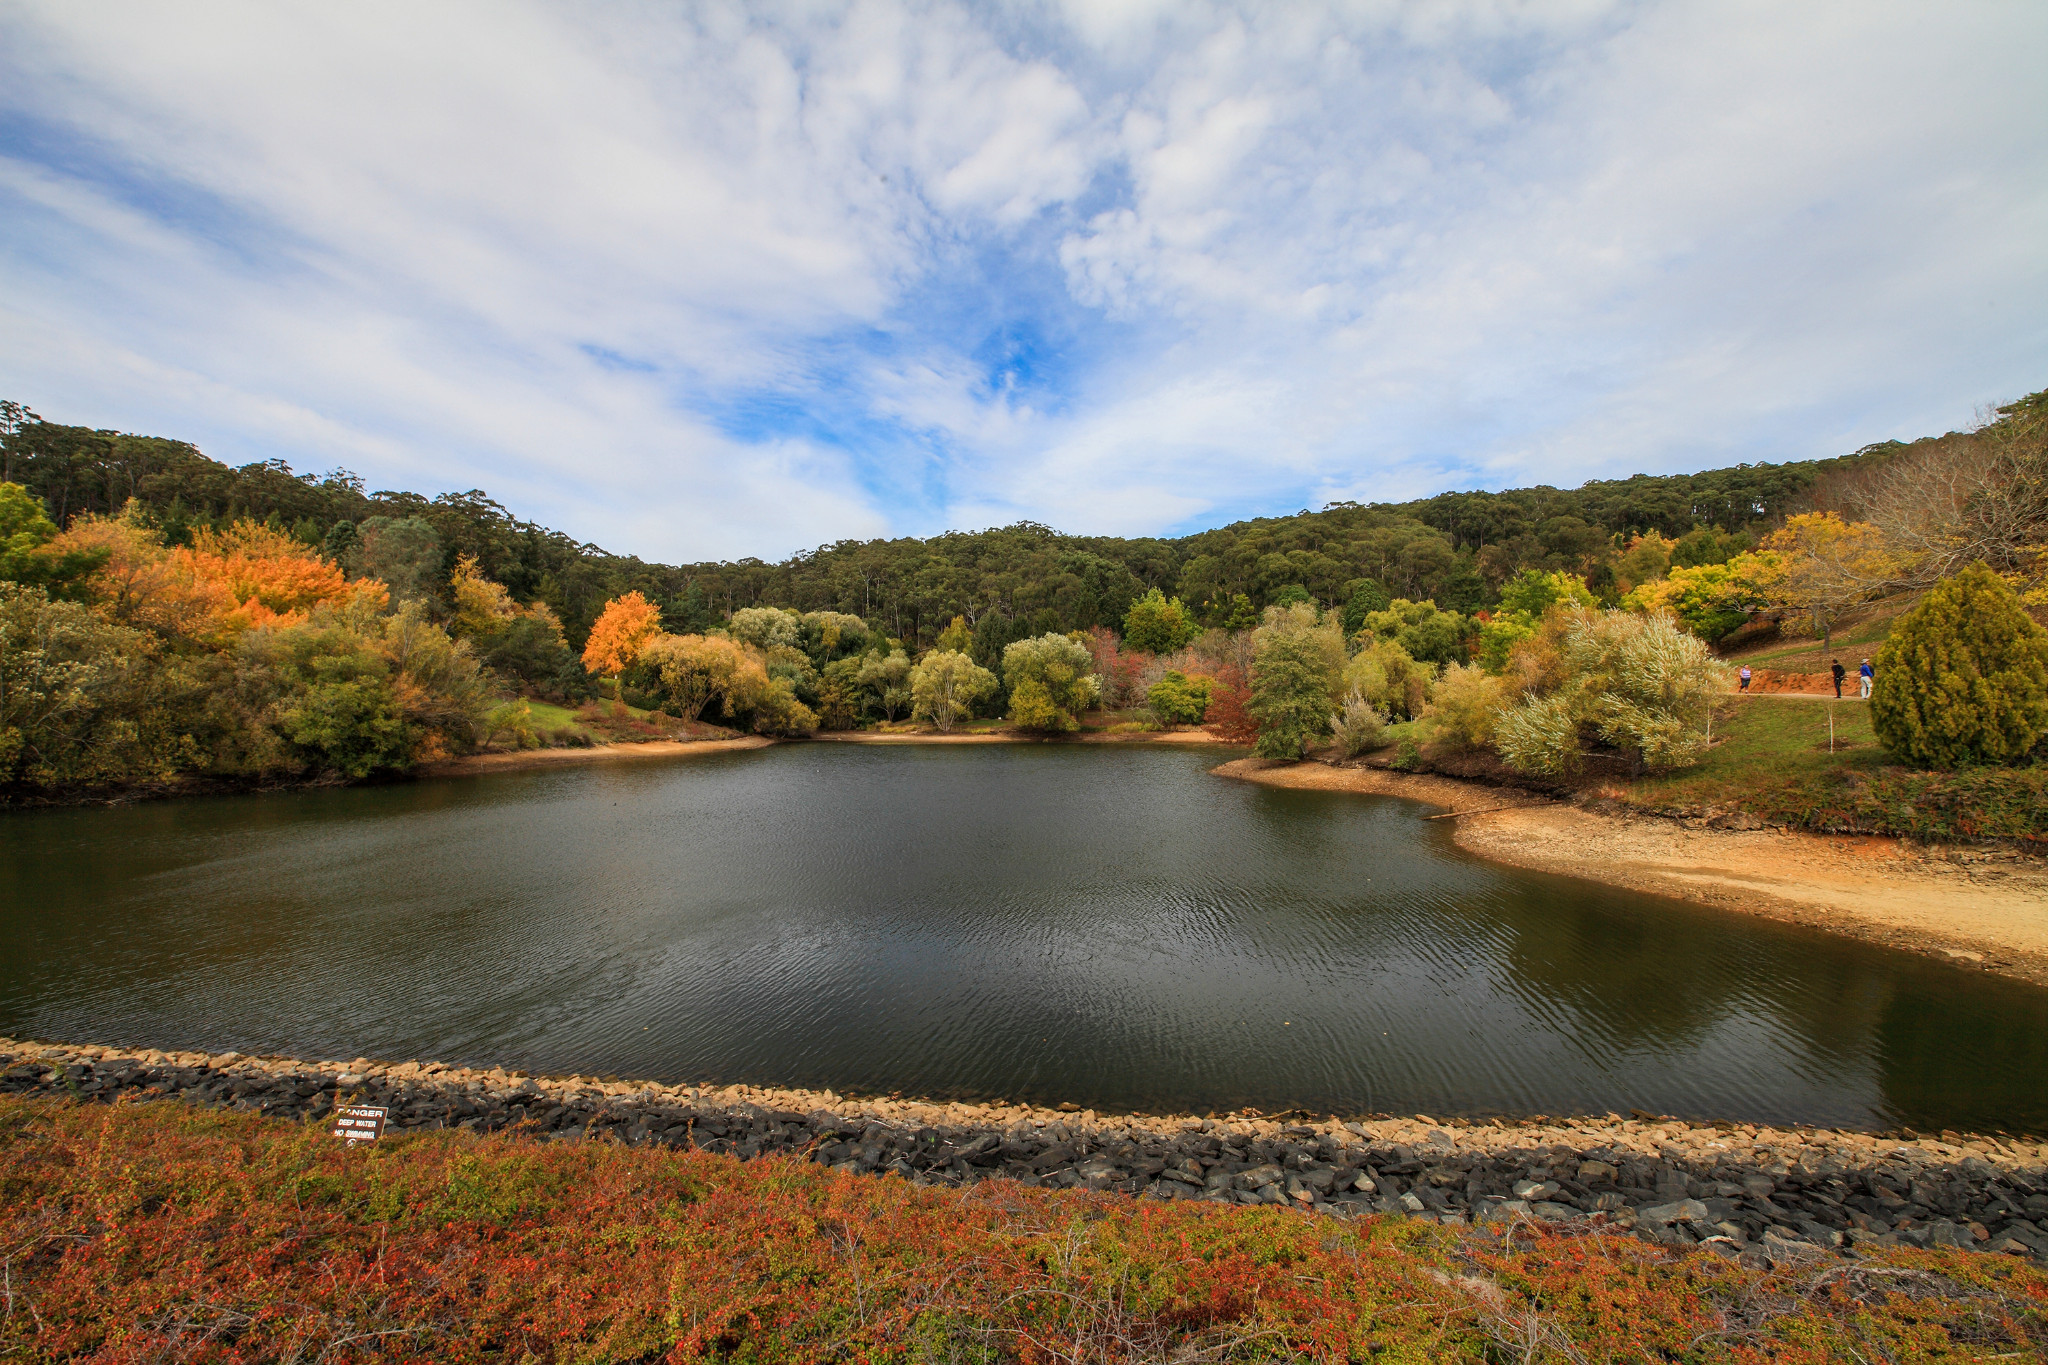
pixel 1881 890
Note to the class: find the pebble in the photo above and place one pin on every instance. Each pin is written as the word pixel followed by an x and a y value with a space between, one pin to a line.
pixel 1775 1195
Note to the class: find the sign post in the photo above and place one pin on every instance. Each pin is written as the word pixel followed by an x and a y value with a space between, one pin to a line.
pixel 355 1123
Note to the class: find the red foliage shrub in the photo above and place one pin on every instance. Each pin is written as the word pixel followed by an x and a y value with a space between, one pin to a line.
pixel 161 1232
pixel 1227 717
pixel 1117 668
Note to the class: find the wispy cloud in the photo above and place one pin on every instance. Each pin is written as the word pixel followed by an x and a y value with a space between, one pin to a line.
pixel 739 279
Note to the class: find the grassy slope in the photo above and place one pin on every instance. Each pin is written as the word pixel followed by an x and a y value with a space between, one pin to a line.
pixel 1772 762
pixel 162 1232
pixel 1762 739
pixel 1852 641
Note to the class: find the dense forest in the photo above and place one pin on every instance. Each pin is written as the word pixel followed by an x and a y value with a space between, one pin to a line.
pixel 1457 549
pixel 163 615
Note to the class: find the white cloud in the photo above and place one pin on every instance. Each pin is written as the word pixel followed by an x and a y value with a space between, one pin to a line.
pixel 720 281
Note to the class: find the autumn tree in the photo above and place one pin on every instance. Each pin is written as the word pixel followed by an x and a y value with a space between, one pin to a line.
pixel 945 685
pixel 622 631
pixel 1818 566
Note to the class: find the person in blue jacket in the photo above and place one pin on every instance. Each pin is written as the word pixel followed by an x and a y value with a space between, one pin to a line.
pixel 1867 676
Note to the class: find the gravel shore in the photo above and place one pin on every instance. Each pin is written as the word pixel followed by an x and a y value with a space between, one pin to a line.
pixel 1739 1189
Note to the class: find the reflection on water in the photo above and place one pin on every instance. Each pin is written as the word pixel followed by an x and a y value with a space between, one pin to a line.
pixel 1109 926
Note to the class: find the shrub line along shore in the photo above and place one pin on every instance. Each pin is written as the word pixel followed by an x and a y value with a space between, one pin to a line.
pixel 1768 1194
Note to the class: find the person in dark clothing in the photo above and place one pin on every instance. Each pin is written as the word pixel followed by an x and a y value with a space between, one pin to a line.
pixel 1840 673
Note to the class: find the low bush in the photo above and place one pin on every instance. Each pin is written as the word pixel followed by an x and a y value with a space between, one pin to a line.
pixel 158 1232
pixel 1359 726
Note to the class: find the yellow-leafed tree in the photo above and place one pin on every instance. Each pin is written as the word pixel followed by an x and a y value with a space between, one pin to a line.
pixel 621 632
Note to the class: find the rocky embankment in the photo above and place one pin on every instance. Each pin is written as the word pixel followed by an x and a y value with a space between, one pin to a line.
pixel 1739 1189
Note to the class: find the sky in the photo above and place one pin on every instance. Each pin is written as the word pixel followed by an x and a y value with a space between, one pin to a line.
pixel 708 281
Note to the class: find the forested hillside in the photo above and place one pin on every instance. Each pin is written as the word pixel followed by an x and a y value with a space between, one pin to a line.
pixel 1457 549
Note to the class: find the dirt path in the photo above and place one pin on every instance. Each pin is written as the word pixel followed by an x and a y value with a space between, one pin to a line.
pixel 471 764
pixel 1991 914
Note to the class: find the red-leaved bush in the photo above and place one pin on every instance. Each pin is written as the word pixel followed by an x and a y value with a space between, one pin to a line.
pixel 1227 717
pixel 158 1232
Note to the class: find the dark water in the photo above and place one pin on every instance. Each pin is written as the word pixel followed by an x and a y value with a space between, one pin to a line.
pixel 1109 926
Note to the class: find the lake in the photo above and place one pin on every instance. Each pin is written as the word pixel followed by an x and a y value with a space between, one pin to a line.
pixel 1106 925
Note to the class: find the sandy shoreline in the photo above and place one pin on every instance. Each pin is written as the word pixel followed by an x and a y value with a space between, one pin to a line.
pixel 1988 914
pixel 521 759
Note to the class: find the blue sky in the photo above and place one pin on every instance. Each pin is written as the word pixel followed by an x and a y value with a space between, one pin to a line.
pixel 710 281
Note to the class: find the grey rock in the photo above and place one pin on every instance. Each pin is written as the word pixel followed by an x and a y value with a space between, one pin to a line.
pixel 1677 1211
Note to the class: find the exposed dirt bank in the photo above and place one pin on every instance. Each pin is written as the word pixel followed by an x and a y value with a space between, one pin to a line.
pixel 1984 910
pixel 1750 1190
pixel 515 761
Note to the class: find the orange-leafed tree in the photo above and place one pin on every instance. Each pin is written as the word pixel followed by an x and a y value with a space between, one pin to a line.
pixel 621 632
pixel 269 578
pixel 221 585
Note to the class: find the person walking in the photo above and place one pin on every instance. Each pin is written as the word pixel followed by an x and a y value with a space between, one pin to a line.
pixel 1743 675
pixel 1839 673
pixel 1865 677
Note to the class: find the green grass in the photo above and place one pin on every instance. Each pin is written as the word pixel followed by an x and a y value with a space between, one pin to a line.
pixel 548 716
pixel 1761 737
pixel 1773 764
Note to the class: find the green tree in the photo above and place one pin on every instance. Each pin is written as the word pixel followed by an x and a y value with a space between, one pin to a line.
pixel 780 712
pixel 1288 594
pixel 1389 677
pixel 1050 685
pixel 766 628
pixel 1178 699
pixel 403 552
pixel 1430 635
pixel 887 679
pixel 1297 677
pixel 696 670
pixel 1358 726
pixel 1963 678
pixel 1464 704
pixel 945 685
pixel 1523 601
pixel 1709 600
pixel 1366 597
pixel 60 667
pixel 1158 624
pixel 25 532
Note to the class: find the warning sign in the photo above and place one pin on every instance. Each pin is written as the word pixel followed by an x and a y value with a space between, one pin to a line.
pixel 359 1122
